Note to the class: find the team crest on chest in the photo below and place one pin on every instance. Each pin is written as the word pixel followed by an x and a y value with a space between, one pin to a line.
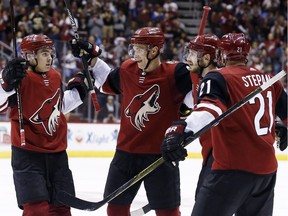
pixel 143 105
pixel 48 113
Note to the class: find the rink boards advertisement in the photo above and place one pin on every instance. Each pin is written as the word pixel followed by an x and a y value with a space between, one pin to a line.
pixel 95 140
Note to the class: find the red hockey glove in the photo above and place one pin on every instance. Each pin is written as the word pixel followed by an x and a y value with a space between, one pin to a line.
pixel 92 50
pixel 281 132
pixel 171 148
pixel 13 73
pixel 78 82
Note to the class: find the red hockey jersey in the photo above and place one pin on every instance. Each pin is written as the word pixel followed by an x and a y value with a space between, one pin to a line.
pixel 149 103
pixel 244 140
pixel 44 124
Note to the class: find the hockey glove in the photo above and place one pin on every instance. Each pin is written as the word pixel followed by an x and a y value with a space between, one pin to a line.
pixel 78 82
pixel 13 73
pixel 92 50
pixel 171 148
pixel 281 132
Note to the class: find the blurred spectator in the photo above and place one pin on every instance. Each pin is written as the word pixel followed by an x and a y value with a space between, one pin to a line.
pixel 120 50
pixel 55 35
pixel 37 20
pixel 143 16
pixel 271 4
pixel 69 65
pixel 111 118
pixel 133 12
pixel 169 5
pixel 110 107
pixel 108 25
pixel 95 24
pixel 158 13
pixel 24 25
pixel 4 18
pixel 119 23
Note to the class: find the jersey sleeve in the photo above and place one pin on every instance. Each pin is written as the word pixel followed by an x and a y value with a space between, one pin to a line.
pixel 213 86
pixel 100 72
pixel 71 100
pixel 212 101
pixel 182 77
pixel 4 102
pixel 112 84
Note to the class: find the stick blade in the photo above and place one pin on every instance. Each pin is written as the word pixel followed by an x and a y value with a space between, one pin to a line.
pixel 139 212
pixel 75 202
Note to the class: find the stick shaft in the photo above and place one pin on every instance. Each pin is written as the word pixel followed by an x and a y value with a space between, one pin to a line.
pixel 206 10
pixel 19 99
pixel 194 76
pixel 85 65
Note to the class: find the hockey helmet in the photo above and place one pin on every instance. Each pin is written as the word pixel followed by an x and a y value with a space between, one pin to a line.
pixel 234 46
pixel 32 43
pixel 206 43
pixel 152 36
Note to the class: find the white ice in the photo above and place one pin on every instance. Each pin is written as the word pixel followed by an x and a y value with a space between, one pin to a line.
pixel 90 175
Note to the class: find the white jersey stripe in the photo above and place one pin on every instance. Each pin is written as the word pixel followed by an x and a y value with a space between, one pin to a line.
pixel 4 106
pixel 210 106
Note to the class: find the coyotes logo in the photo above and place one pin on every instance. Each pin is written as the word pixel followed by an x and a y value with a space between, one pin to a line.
pixel 49 112
pixel 142 105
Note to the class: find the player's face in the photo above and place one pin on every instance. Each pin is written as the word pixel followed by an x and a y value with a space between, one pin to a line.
pixel 44 59
pixel 138 52
pixel 191 60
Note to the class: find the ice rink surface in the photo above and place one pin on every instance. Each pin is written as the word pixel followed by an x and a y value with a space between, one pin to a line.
pixel 90 175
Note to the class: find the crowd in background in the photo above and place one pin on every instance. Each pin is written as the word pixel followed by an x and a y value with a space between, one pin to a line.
pixel 109 24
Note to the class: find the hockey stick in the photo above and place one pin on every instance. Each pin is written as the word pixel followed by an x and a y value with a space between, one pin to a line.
pixel 19 99
pixel 72 201
pixel 85 65
pixel 143 210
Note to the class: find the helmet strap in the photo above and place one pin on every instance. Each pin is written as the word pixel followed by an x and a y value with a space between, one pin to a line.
pixel 150 60
pixel 202 68
pixel 34 66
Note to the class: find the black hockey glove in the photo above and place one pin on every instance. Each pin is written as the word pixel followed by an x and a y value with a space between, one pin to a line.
pixel 171 148
pixel 13 73
pixel 92 50
pixel 281 132
pixel 78 82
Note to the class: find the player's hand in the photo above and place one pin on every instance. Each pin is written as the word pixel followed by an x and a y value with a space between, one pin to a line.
pixel 78 82
pixel 13 73
pixel 171 148
pixel 281 132
pixel 92 50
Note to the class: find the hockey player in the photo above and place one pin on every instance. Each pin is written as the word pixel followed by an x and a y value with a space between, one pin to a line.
pixel 202 56
pixel 151 94
pixel 244 169
pixel 40 167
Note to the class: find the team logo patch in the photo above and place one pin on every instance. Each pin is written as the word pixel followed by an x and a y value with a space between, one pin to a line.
pixel 143 105
pixel 48 114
